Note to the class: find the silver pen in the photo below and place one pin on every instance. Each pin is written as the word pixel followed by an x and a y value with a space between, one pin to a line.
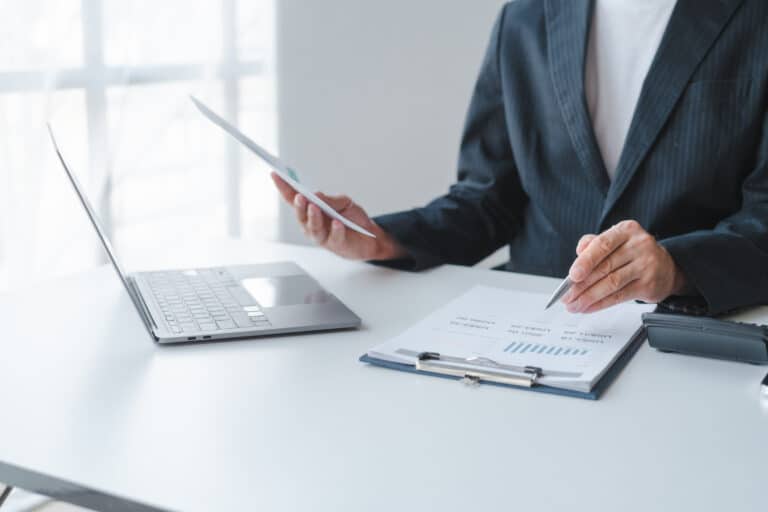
pixel 561 290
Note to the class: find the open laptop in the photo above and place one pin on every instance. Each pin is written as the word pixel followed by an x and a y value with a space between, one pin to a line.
pixel 239 301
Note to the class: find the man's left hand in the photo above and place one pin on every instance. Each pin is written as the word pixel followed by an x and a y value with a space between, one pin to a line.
pixel 621 264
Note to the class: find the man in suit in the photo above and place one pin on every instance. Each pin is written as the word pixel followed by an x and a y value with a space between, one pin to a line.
pixel 631 133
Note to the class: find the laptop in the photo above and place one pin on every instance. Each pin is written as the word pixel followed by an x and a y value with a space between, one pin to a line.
pixel 221 303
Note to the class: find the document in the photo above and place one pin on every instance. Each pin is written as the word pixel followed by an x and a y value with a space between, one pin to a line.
pixel 512 329
pixel 286 173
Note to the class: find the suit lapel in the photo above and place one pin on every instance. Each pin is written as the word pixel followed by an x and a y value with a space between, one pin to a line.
pixel 568 23
pixel 693 28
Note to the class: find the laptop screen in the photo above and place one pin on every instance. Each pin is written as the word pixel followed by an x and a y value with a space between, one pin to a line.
pixel 101 232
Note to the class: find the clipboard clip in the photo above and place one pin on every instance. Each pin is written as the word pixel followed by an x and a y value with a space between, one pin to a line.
pixel 475 370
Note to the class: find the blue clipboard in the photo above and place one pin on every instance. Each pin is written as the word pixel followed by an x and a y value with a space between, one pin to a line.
pixel 599 388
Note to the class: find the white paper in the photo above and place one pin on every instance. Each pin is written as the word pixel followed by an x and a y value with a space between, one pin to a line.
pixel 286 173
pixel 513 328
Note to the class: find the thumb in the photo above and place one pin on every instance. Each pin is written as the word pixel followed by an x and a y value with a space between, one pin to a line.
pixel 285 189
pixel 584 243
pixel 338 203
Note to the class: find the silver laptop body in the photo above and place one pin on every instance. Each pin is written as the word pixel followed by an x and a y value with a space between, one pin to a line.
pixel 238 301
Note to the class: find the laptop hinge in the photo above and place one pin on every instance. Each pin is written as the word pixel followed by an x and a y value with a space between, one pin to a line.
pixel 144 309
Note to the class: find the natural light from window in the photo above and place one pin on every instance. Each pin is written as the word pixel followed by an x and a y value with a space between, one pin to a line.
pixel 114 77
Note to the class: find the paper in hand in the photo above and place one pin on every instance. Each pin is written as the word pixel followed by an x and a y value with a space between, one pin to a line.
pixel 286 173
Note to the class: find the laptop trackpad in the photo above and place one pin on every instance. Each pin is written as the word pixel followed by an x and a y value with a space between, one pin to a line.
pixel 270 292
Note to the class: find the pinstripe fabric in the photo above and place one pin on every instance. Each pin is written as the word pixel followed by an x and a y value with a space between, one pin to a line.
pixel 694 170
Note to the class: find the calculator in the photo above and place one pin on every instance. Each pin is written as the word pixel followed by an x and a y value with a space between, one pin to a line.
pixel 707 337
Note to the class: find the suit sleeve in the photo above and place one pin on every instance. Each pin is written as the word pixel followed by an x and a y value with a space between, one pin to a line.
pixel 482 210
pixel 728 265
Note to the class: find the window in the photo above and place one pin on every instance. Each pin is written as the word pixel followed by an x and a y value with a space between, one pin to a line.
pixel 113 77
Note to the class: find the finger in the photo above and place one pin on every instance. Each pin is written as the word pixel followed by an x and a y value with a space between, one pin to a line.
pixel 317 224
pixel 605 287
pixel 584 243
pixel 338 203
pixel 300 207
pixel 629 292
pixel 616 260
pixel 599 249
pixel 284 188
pixel 337 237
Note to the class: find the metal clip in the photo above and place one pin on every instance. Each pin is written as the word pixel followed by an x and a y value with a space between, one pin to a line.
pixel 477 369
pixel 535 372
pixel 471 380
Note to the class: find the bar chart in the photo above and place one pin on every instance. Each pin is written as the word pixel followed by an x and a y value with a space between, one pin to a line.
pixel 547 350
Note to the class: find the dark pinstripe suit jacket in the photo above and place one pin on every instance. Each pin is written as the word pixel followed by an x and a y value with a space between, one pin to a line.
pixel 693 172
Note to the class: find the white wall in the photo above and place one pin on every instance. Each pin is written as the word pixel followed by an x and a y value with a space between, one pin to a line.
pixel 372 95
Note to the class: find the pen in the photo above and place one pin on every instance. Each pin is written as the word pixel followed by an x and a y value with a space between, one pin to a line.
pixel 561 290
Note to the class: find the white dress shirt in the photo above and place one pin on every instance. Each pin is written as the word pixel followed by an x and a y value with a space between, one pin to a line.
pixel 623 41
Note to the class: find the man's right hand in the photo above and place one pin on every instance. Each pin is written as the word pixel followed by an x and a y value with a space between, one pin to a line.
pixel 335 236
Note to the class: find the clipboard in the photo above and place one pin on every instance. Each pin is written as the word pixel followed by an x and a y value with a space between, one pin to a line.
pixel 594 394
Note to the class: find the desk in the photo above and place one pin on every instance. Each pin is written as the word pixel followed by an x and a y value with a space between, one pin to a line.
pixel 93 412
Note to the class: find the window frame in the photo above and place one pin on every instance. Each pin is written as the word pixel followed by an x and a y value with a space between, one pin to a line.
pixel 94 77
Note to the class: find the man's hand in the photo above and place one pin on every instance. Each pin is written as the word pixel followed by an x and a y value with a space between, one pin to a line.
pixel 623 263
pixel 335 236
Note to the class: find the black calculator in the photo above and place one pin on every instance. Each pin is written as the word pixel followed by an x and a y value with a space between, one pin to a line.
pixel 708 337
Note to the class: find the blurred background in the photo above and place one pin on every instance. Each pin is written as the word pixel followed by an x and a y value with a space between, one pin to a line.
pixel 113 78
pixel 364 98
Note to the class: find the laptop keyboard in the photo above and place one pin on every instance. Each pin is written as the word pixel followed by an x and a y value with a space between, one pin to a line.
pixel 206 300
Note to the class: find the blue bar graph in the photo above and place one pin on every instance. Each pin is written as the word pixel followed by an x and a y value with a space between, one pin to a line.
pixel 547 350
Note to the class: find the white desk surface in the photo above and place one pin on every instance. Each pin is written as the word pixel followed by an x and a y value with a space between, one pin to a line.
pixel 297 423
